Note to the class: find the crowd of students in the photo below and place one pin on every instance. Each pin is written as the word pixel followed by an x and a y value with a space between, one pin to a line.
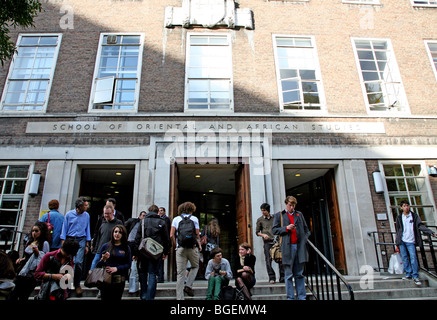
pixel 54 255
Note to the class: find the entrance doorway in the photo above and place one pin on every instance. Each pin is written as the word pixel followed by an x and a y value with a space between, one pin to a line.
pixel 316 195
pixel 219 191
pixel 100 183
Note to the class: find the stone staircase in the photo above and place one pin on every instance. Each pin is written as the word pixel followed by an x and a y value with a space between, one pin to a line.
pixel 385 287
pixel 392 287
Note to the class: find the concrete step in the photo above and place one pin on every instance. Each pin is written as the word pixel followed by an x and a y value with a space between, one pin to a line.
pixel 385 286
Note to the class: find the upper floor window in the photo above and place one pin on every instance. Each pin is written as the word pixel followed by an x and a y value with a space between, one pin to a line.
pixel 431 47
pixel 117 73
pixel 424 3
pixel 298 74
pixel 380 76
pixel 31 73
pixel 209 73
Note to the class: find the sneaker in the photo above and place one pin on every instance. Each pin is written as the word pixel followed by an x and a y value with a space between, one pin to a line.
pixel 417 281
pixel 407 278
pixel 189 291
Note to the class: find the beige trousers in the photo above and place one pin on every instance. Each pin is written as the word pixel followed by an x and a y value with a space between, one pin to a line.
pixel 183 255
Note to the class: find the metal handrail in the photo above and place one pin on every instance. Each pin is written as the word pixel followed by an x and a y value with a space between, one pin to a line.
pixel 324 289
pixel 385 244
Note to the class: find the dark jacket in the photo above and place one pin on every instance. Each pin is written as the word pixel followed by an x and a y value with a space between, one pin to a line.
pixel 249 261
pixel 418 225
pixel 302 236
pixel 155 228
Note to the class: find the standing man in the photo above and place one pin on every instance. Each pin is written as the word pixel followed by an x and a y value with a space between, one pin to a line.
pixel 57 220
pixel 105 232
pixel 291 226
pixel 186 227
pixel 408 225
pixel 163 216
pixel 117 214
pixel 77 227
pixel 264 226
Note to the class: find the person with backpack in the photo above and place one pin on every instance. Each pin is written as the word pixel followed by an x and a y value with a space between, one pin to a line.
pixel 154 227
pixel 184 234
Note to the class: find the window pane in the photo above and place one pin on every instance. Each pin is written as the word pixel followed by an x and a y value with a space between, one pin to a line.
pixel 368 65
pixel 312 98
pixel 291 96
pixel 219 97
pixel 288 73
pixel 370 76
pixel 290 85
pixel 365 55
pixel 198 97
pixel 376 98
pixel 18 171
pixel 308 74
pixel 309 86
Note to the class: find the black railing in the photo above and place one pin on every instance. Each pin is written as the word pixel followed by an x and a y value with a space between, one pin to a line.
pixel 323 280
pixel 9 236
pixel 385 246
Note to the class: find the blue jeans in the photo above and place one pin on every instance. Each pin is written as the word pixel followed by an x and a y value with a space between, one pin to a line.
pixel 148 275
pixel 294 270
pixel 409 259
pixel 78 261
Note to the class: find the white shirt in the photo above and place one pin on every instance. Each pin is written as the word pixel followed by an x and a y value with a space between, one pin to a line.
pixel 408 234
pixel 175 223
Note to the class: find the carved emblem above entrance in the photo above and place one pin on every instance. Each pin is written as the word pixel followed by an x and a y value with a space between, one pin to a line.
pixel 209 14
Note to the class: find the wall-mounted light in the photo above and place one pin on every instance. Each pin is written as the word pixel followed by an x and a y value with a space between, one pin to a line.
pixel 34 183
pixel 432 171
pixel 378 181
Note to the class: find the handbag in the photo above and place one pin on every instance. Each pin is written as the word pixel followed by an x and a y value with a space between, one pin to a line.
pixel 149 248
pixel 275 250
pixel 98 277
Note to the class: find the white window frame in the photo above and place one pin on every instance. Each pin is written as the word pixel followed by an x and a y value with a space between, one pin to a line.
pixel 428 4
pixel 319 80
pixel 403 103
pixel 423 174
pixel 94 86
pixel 50 80
pixel 428 50
pixel 187 78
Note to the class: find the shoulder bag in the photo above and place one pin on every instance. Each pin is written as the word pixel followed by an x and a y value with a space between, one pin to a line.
pixel 149 248
pixel 275 250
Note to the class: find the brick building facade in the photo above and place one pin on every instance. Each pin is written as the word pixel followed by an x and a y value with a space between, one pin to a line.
pixel 228 104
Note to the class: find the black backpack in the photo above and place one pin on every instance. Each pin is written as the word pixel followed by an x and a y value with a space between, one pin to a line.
pixel 186 232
